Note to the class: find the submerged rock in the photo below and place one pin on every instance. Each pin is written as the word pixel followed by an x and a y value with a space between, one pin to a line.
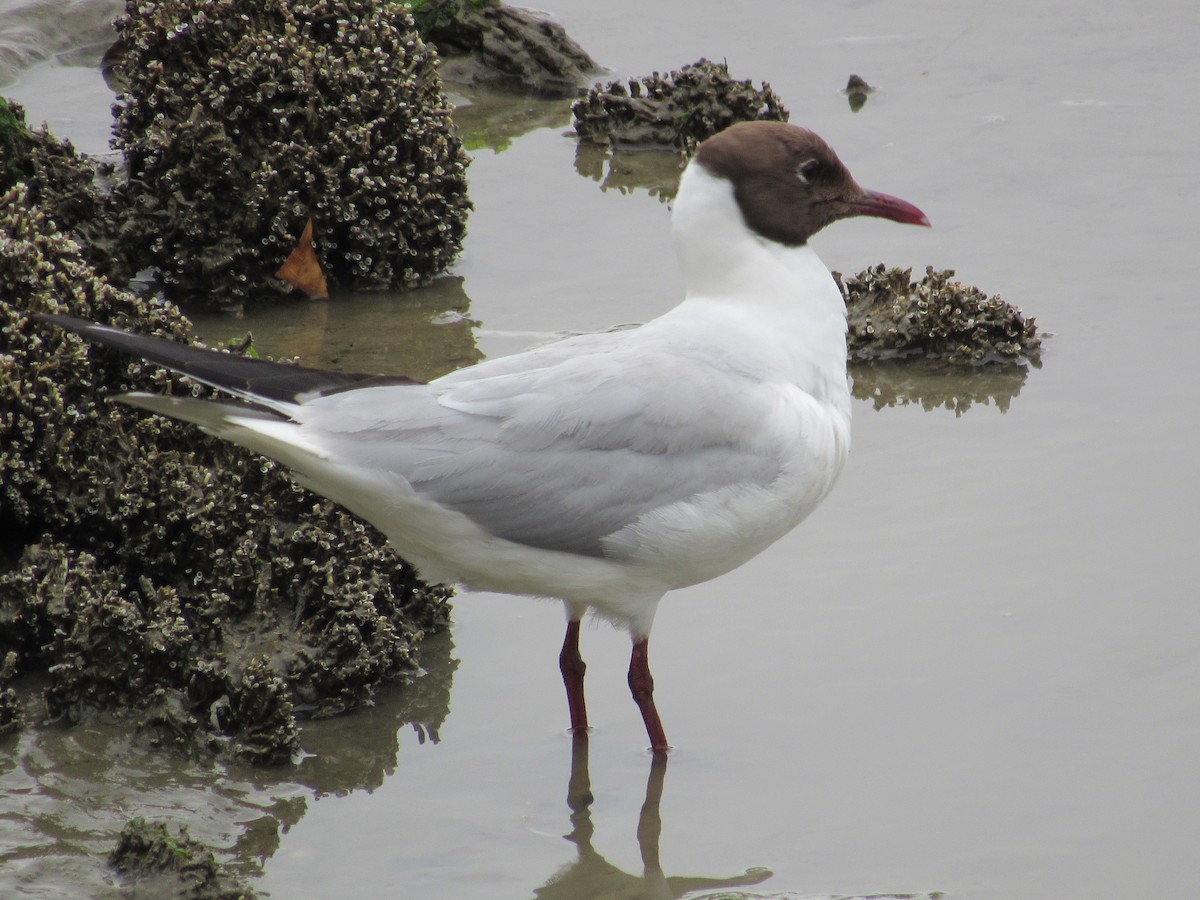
pixel 179 580
pixel 239 121
pixel 158 859
pixel 484 42
pixel 857 91
pixel 893 317
pixel 679 109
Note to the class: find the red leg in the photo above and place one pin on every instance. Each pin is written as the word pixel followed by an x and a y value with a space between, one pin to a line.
pixel 642 685
pixel 572 666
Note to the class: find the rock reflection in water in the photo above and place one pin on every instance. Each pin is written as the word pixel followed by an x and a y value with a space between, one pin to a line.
pixel 655 171
pixel 70 791
pixel 491 119
pixel 358 751
pixel 422 333
pixel 937 385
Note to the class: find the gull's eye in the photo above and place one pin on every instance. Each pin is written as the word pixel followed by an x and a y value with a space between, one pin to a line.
pixel 808 170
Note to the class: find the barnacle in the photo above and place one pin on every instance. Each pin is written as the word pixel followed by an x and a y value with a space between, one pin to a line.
pixel 302 108
pixel 156 570
pixel 679 109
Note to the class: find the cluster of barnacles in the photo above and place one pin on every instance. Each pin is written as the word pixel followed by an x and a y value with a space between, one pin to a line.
pixel 144 563
pixel 937 318
pixel 240 121
pixel 679 109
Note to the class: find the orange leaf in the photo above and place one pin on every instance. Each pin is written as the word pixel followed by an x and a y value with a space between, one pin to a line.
pixel 302 271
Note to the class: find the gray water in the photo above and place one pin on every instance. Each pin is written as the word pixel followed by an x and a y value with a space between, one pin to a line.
pixel 974 670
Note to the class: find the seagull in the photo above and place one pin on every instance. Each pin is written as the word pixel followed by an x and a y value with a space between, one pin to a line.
pixel 607 469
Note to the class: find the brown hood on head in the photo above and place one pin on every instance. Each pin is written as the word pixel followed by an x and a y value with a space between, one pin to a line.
pixel 790 184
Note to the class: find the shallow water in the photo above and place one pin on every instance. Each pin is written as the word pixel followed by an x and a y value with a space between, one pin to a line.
pixel 973 670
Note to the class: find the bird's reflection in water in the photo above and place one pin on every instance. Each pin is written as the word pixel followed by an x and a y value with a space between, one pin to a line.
pixel 592 876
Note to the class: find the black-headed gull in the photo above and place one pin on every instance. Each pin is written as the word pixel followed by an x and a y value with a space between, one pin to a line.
pixel 606 469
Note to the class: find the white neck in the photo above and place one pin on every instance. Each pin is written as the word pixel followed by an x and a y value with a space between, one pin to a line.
pixel 788 289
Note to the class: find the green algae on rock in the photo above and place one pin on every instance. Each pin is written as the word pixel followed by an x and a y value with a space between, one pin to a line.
pixel 239 121
pixel 189 585
pixel 158 859
pixel 484 42
pixel 893 317
pixel 679 109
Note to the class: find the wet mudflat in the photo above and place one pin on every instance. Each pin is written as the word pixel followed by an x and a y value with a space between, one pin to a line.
pixel 973 670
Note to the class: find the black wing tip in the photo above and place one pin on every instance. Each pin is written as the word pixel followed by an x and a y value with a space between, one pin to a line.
pixel 89 329
pixel 122 339
pixel 254 380
pixel 70 323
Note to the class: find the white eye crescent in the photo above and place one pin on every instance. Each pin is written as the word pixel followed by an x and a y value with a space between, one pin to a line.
pixel 807 169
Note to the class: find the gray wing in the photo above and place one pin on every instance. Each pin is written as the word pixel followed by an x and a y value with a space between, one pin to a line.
pixel 561 447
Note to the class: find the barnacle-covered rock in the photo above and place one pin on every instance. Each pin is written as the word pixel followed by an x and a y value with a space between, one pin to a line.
pixel 241 120
pixel 62 182
pixel 679 109
pixel 484 42
pixel 160 859
pixel 893 317
pixel 154 568
pixel 59 179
